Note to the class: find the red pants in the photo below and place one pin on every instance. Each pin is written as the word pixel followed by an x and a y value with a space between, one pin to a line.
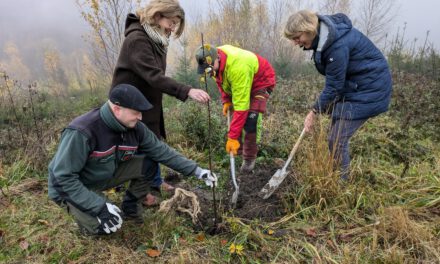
pixel 252 128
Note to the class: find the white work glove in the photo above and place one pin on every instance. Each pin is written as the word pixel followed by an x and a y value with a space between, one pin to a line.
pixel 109 218
pixel 209 177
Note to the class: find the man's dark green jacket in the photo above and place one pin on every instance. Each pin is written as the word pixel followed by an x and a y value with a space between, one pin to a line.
pixel 91 149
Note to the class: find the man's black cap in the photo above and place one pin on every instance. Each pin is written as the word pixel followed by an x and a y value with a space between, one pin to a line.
pixel 128 96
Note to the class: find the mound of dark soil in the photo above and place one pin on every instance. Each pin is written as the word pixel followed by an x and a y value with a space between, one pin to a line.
pixel 249 204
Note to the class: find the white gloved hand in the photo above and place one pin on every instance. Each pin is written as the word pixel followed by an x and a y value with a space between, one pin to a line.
pixel 109 218
pixel 209 177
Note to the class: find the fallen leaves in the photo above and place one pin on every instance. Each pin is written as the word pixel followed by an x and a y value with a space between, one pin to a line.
pixel 43 222
pixel 346 237
pixel 311 232
pixel 24 245
pixel 153 253
pixel 200 237
pixel 183 241
pixel 332 245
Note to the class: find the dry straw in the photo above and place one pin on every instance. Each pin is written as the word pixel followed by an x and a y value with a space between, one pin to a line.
pixel 398 229
pixel 183 201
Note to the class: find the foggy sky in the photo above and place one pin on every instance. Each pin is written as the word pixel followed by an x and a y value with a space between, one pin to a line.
pixel 420 16
pixel 26 21
pixel 30 21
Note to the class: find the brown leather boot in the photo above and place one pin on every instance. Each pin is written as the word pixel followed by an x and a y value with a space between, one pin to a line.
pixel 247 166
pixel 165 187
pixel 150 200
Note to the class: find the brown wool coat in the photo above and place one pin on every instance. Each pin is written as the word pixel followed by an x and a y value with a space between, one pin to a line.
pixel 142 64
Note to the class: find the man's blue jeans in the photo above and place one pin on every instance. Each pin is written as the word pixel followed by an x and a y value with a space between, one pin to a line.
pixel 338 140
pixel 157 180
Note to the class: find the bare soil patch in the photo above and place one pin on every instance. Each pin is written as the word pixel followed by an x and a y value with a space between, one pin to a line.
pixel 249 205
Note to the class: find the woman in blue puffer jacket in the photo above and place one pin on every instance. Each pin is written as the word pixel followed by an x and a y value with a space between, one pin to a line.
pixel 358 81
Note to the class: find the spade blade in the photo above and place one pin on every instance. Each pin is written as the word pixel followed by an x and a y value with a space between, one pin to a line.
pixel 273 183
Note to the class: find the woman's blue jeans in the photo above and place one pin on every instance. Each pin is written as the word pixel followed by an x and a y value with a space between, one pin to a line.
pixel 338 141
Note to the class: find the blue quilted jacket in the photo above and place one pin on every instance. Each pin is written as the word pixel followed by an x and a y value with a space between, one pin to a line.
pixel 358 82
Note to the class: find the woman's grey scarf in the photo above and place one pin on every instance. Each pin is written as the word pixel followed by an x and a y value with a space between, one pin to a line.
pixel 160 40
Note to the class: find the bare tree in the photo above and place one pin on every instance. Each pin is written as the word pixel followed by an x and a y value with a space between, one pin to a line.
pixel 13 63
pixel 375 17
pixel 279 10
pixel 335 6
pixel 243 23
pixel 56 76
pixel 107 19
pixel 283 54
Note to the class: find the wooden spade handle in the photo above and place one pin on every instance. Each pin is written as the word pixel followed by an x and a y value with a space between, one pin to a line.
pixel 295 148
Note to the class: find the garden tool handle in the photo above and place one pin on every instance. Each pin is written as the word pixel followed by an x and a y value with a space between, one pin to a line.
pixel 295 148
pixel 229 119
pixel 231 155
pixel 229 126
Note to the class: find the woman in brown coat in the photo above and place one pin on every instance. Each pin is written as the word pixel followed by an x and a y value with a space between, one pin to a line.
pixel 142 62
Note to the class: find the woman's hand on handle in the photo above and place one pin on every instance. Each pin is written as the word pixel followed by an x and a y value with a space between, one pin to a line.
pixel 309 121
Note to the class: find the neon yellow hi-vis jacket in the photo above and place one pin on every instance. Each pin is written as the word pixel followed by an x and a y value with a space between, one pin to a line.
pixel 237 76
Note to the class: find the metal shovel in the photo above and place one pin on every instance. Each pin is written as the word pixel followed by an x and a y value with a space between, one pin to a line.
pixel 280 174
pixel 232 163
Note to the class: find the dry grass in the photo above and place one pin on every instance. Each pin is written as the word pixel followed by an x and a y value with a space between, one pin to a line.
pixel 320 171
pixel 398 230
pixel 379 216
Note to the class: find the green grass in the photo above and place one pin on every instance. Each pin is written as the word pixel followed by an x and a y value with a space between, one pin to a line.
pixel 388 213
pixel 377 218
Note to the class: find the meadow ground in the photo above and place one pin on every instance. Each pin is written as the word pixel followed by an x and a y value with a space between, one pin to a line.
pixel 389 211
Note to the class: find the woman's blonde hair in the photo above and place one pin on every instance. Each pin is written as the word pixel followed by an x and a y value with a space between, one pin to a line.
pixel 302 21
pixel 165 8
